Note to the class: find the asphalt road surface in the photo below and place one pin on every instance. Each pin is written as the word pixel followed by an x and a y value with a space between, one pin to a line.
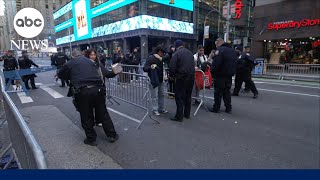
pixel 280 129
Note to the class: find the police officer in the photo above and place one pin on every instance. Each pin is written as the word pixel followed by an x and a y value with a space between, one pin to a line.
pixel 10 63
pixel 182 69
pixel 90 93
pixel 223 68
pixel 245 63
pixel 25 63
pixel 59 59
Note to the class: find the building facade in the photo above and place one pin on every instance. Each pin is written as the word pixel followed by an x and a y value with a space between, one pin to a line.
pixel 126 24
pixel 287 31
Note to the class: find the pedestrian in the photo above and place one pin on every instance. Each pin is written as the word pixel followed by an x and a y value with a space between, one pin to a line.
pixel 135 61
pixel 102 57
pixel 182 69
pixel 9 64
pixel 90 93
pixel 245 64
pixel 154 67
pixel 199 60
pixel 92 55
pixel 58 60
pixel 171 81
pixel 223 68
pixel 25 63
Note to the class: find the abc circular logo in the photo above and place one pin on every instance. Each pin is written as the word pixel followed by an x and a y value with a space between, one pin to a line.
pixel 28 22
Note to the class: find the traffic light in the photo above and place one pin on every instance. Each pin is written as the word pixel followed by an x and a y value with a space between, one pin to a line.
pixel 171 2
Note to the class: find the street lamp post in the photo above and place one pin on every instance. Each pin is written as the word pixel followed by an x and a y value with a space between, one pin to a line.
pixel 226 18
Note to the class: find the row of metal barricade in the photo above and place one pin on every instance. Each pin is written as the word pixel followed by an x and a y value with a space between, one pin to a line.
pixel 132 86
pixel 308 72
pixel 22 147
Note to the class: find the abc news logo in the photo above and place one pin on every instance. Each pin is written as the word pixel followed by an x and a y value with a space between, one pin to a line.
pixel 29 23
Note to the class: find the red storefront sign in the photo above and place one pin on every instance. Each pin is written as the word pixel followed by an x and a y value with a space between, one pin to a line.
pixel 293 24
pixel 238 6
pixel 316 43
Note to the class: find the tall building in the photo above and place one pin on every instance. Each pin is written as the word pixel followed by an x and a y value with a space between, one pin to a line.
pixel 46 8
pixel 126 24
pixel 287 31
pixel 3 34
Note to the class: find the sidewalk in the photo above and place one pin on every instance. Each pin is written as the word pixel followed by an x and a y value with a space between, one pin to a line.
pixel 62 141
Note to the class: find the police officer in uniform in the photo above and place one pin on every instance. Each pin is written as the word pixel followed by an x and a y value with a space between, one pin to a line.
pixel 59 59
pixel 182 70
pixel 245 63
pixel 223 68
pixel 25 63
pixel 90 93
pixel 10 63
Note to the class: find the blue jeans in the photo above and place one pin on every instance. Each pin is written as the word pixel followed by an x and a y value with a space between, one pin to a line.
pixel 157 97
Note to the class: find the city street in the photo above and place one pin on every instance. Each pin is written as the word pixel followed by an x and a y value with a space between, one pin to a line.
pixel 280 129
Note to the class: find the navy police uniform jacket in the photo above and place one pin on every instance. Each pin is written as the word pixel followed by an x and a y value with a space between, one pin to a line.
pixel 82 72
pixel 224 63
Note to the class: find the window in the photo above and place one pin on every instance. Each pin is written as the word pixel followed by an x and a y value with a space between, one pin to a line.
pixel 54 6
pixel 47 2
pixel 47 6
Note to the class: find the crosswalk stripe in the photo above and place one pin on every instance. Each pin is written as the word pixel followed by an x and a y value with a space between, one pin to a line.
pixel 24 98
pixel 52 92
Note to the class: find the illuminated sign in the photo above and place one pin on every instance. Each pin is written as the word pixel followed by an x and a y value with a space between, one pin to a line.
pixel 109 6
pixel 81 20
pixel 182 4
pixel 63 10
pixel 143 22
pixel 134 23
pixel 64 25
pixel 238 6
pixel 293 24
pixel 316 43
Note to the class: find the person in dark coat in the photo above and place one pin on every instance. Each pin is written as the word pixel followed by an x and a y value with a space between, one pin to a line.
pixel 171 82
pixel 182 70
pixel 154 67
pixel 26 63
pixel 59 59
pixel 245 64
pixel 223 68
pixel 9 64
pixel 90 93
pixel 135 61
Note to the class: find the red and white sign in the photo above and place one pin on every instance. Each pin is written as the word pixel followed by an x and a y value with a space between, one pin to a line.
pixel 316 43
pixel 235 9
pixel 239 6
pixel 293 24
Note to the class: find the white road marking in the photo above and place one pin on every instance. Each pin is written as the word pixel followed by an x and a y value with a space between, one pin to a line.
pixel 124 115
pixel 52 92
pixel 285 92
pixel 24 98
pixel 294 85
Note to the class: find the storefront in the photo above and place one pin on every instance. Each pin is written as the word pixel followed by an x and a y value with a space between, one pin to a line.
pixel 286 34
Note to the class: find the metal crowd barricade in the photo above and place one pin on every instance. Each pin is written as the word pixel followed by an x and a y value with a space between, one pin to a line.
pixel 201 97
pixel 24 148
pixel 294 71
pixel 275 70
pixel 135 92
